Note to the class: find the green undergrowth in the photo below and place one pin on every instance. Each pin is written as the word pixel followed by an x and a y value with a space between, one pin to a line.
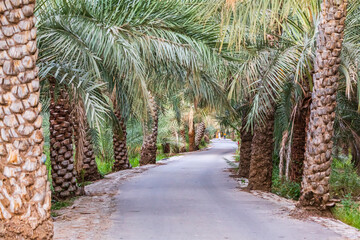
pixel 345 185
pixel 284 188
pixel 344 180
pixel 134 160
pixel 161 156
pixel 348 212
pixel 57 205
pixel 104 167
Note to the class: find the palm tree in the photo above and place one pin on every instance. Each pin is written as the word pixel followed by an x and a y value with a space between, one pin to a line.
pixel 120 145
pixel 245 151
pixel 149 147
pixel 61 130
pixel 318 154
pixel 24 214
pixel 261 163
pixel 191 132
pixel 200 132
pixel 85 166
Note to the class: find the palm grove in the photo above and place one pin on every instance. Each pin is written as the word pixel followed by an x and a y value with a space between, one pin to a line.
pixel 117 78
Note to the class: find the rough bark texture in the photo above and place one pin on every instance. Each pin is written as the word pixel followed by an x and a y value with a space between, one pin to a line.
pixel 61 147
pixel 317 165
pixel 261 164
pixel 149 148
pixel 25 196
pixel 245 153
pixel 85 163
pixel 200 132
pixel 206 138
pixel 120 147
pixel 183 141
pixel 192 145
pixel 298 142
pixel 166 147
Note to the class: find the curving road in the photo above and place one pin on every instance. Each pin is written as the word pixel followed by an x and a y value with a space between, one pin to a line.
pixel 194 198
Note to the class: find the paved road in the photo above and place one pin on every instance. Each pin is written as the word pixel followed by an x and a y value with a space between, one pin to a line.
pixel 194 198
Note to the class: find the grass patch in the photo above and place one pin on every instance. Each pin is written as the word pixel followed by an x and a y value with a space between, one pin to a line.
pixel 161 156
pixel 134 161
pixel 348 212
pixel 104 167
pixel 344 179
pixel 57 205
pixel 284 188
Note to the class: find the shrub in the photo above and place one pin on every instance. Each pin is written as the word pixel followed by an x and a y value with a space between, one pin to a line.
pixel 348 212
pixel 344 180
pixel 284 188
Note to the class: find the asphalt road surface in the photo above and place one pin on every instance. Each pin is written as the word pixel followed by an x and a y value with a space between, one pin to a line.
pixel 194 198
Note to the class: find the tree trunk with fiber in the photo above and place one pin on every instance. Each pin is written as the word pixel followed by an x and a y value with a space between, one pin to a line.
pixel 183 141
pixel 192 145
pixel 298 141
pixel 200 132
pixel 120 146
pixel 25 200
pixel 245 152
pixel 261 164
pixel 149 148
pixel 317 165
pixel 85 163
pixel 61 146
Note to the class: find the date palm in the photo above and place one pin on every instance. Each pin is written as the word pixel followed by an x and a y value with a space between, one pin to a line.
pixel 24 214
pixel 318 154
pixel 63 171
pixel 149 147
pixel 200 132
pixel 191 133
pixel 119 144
pixel 86 166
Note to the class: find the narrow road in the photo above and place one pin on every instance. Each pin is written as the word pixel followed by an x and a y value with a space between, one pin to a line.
pixel 194 198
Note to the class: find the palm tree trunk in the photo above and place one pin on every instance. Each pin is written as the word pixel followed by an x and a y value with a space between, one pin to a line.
pixel 85 163
pixel 298 142
pixel 200 132
pixel 192 145
pixel 61 147
pixel 245 153
pixel 183 140
pixel 261 163
pixel 317 165
pixel 149 147
pixel 25 201
pixel 120 147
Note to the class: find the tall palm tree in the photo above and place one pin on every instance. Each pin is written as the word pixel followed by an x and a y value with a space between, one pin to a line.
pixel 24 214
pixel 318 155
